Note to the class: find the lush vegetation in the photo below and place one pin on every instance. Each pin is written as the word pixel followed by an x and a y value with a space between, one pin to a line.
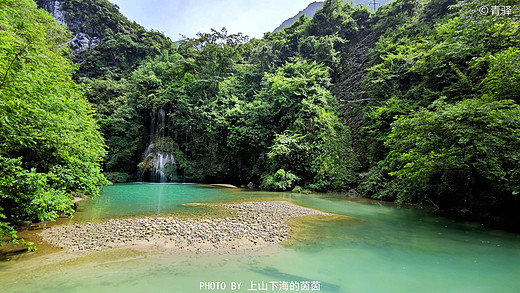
pixel 416 102
pixel 460 157
pixel 446 132
pixel 230 120
pixel 50 147
pixel 332 103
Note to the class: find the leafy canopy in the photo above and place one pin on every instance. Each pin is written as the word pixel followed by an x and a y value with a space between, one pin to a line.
pixel 50 146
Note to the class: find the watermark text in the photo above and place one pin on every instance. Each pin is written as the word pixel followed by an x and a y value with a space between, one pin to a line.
pixel 269 286
pixel 496 10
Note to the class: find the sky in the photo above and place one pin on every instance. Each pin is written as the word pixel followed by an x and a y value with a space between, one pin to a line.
pixel 188 17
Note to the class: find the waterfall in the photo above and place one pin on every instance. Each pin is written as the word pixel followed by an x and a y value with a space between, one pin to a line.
pixel 159 162
pixel 161 122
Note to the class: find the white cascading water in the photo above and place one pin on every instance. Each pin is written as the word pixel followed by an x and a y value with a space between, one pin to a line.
pixel 159 161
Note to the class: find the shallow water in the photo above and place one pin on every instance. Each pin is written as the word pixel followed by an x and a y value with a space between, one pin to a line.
pixel 143 199
pixel 384 249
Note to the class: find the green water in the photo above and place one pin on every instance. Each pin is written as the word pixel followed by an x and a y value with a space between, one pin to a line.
pixel 385 249
pixel 139 199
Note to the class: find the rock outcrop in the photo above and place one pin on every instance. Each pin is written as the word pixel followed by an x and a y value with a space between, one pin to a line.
pixel 84 36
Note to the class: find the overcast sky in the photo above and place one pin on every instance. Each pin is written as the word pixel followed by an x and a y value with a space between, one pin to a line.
pixel 187 17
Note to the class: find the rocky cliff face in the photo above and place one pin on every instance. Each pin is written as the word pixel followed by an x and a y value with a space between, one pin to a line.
pixel 83 36
pixel 105 42
pixel 54 7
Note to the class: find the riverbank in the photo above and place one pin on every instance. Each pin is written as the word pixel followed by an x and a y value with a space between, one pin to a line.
pixel 223 185
pixel 252 225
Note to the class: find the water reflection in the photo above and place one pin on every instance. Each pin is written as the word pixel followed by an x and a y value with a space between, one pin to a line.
pixel 384 249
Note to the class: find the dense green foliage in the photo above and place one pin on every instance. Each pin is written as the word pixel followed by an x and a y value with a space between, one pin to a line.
pixel 228 120
pixel 232 106
pixel 461 156
pixel 416 102
pixel 459 153
pixel 310 106
pixel 112 45
pixel 50 147
pixel 310 142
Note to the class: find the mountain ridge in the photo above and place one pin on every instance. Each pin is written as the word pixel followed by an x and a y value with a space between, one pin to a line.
pixel 308 11
pixel 317 5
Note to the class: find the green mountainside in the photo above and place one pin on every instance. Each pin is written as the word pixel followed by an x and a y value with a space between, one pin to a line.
pixel 315 6
pixel 416 102
pixel 308 11
pixel 106 44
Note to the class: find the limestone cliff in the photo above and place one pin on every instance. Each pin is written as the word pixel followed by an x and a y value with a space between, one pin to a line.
pixel 105 42
pixel 84 36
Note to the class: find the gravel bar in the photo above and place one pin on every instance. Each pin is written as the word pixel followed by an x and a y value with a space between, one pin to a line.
pixel 253 224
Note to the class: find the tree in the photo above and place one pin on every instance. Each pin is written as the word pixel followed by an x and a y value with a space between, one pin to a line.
pixel 378 127
pixel 503 79
pixel 333 19
pixel 50 146
pixel 310 146
pixel 461 156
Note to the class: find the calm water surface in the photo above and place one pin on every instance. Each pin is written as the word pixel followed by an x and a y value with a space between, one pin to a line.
pixel 383 249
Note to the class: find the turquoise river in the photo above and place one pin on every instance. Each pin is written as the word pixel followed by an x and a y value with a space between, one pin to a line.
pixel 379 247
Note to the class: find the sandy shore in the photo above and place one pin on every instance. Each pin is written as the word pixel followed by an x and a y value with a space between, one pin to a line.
pixel 253 224
pixel 223 185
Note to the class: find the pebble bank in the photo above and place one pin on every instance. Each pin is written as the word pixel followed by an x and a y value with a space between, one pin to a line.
pixel 253 224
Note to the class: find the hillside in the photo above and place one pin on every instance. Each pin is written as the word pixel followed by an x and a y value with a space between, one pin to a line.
pixel 326 104
pixel 308 11
pixel 105 43
pixel 315 6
